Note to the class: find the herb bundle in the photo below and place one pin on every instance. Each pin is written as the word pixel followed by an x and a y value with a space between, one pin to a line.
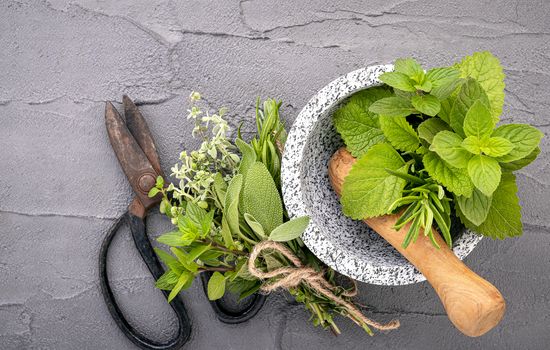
pixel 428 147
pixel 230 221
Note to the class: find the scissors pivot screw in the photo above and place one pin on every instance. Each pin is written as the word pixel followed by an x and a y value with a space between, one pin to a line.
pixel 146 182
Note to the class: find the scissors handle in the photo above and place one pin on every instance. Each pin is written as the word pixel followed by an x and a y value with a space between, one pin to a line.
pixel 143 245
pixel 255 303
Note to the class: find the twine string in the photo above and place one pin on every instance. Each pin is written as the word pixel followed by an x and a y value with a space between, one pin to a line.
pixel 290 277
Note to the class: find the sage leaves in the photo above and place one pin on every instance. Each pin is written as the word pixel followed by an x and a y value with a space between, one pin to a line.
pixel 261 198
pixel 436 128
pixel 290 230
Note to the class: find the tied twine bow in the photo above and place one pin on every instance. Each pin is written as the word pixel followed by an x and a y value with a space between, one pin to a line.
pixel 292 276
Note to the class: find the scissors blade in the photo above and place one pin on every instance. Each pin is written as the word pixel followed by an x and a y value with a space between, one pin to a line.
pixel 135 164
pixel 140 130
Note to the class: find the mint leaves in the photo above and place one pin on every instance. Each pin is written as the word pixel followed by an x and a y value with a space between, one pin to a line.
pixel 430 129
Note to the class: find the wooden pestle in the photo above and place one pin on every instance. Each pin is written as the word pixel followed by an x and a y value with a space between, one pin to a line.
pixel 473 305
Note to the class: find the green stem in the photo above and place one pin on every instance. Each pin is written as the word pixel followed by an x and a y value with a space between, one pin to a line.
pixel 222 248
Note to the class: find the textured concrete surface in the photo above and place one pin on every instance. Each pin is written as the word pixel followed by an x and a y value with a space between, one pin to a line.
pixel 61 186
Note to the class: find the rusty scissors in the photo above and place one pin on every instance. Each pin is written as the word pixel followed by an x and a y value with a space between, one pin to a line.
pixel 135 149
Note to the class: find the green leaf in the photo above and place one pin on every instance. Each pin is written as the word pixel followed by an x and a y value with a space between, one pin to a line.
pixel 472 144
pixel 496 146
pixel 290 230
pixel 478 121
pixel 484 173
pixel 369 189
pixel 167 281
pixel 525 139
pixel 226 233
pixel 448 146
pixel 446 108
pixel 400 133
pixel 197 251
pixel 398 81
pixel 443 92
pixel 486 69
pixel 410 68
pixel 475 208
pixel 184 260
pixel 184 279
pixel 392 107
pixel 454 179
pixel 231 207
pixel 444 81
pixel 248 156
pixel 254 225
pixel 153 192
pixel 195 213
pixel 174 239
pixel 160 182
pixel 469 93
pixel 261 198
pixel 504 217
pixel 169 260
pixel 216 286
pixel 206 223
pixel 426 86
pixel 426 104
pixel 220 187
pixel 358 127
pixel 520 163
pixel 431 127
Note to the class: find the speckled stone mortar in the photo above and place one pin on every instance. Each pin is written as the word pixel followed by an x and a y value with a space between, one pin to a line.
pixel 348 246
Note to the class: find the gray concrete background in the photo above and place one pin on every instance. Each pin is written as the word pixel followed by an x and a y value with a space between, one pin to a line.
pixel 61 186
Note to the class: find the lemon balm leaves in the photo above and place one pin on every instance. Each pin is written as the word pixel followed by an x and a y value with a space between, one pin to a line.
pixel 454 179
pixel 487 71
pixel 393 107
pixel 441 126
pixel 476 207
pixel 399 133
pixel 469 93
pixel 431 127
pixel 369 189
pixel 358 126
pixel 444 81
pixel 504 216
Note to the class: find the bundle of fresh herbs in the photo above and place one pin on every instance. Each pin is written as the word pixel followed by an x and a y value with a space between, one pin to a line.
pixel 226 204
pixel 428 147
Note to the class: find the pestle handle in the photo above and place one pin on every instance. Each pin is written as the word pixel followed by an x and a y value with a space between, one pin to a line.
pixel 473 304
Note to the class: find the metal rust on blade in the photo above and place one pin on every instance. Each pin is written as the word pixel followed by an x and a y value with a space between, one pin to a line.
pixel 138 169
